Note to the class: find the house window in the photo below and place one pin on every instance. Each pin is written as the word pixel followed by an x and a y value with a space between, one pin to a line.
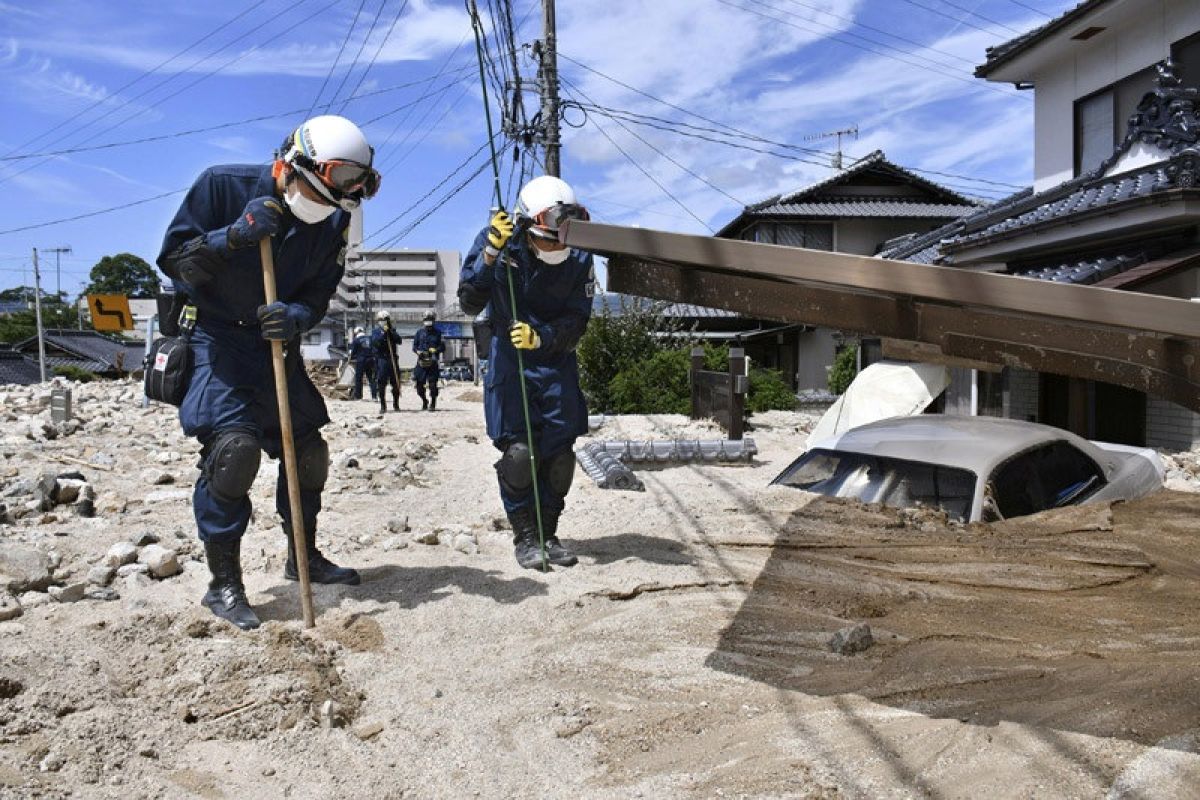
pixel 1186 55
pixel 1102 118
pixel 1094 130
pixel 812 235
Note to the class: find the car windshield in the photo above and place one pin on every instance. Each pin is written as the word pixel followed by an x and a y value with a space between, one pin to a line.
pixel 890 481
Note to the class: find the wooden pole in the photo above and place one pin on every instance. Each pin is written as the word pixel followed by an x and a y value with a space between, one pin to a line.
pixel 299 539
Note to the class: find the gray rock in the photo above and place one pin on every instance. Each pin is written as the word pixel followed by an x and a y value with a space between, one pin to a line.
pixel 34 599
pixel 66 490
pixel 101 575
pixel 161 560
pixel 398 525
pixel 132 569
pixel 156 477
pixel 849 641
pixel 19 488
pixel 10 607
pixel 429 537
pixel 23 569
pixel 332 714
pixel 393 543
pixel 465 543
pixel 144 538
pixel 163 495
pixel 103 593
pixel 372 431
pixel 120 554
pixel 71 593
pixel 136 581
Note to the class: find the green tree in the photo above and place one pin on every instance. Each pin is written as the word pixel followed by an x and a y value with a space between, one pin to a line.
pixel 615 340
pixel 21 325
pixel 124 274
pixel 845 367
pixel 656 385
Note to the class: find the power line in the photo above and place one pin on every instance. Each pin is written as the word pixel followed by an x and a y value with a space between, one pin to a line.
pixel 439 185
pixel 358 55
pixel 431 128
pixel 223 125
pixel 91 213
pixel 375 57
pixel 146 74
pixel 975 13
pixel 698 177
pixel 649 177
pixel 333 67
pixel 934 69
pixel 1031 8
pixel 627 116
pixel 203 77
pixel 442 69
pixel 950 17
pixel 897 36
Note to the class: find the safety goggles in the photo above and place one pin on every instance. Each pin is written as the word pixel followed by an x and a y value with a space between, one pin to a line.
pixel 344 177
pixel 547 222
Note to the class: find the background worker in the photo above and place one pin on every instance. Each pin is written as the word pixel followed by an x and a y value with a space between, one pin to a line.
pixel 364 364
pixel 554 286
pixel 211 253
pixel 384 342
pixel 429 347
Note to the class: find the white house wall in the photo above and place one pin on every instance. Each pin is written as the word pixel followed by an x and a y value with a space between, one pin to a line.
pixel 1139 39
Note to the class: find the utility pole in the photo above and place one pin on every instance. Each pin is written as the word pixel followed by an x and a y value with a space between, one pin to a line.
pixel 58 251
pixel 549 86
pixel 37 305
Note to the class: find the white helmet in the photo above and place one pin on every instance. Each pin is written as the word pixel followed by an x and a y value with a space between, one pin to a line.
pixel 359 331
pixel 547 202
pixel 333 156
pixel 383 316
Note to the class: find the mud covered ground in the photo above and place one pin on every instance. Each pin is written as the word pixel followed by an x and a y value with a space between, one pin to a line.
pixel 687 655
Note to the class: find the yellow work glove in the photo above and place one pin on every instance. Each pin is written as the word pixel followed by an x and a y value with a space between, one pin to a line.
pixel 500 231
pixel 524 337
pixel 433 350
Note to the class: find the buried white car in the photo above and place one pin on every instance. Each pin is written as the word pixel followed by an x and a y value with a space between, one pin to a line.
pixel 975 468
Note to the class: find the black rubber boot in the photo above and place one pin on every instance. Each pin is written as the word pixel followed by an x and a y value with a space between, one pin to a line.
pixel 395 402
pixel 320 568
pixel 556 553
pixel 226 596
pixel 525 539
pixel 433 403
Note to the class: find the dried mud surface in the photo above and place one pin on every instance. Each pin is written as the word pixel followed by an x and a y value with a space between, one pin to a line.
pixel 686 656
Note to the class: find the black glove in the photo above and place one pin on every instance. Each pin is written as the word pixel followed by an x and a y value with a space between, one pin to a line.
pixel 283 321
pixel 260 218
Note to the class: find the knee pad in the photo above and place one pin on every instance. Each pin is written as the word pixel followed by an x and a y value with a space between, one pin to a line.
pixel 312 463
pixel 515 468
pixel 559 470
pixel 232 463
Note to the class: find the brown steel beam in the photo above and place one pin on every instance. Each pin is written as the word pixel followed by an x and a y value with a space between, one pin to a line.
pixel 845 272
pixel 1161 366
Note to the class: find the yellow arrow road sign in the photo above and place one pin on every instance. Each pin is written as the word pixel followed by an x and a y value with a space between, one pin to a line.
pixel 110 312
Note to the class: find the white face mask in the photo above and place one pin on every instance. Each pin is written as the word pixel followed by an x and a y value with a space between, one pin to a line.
pixel 428 324
pixel 305 209
pixel 553 256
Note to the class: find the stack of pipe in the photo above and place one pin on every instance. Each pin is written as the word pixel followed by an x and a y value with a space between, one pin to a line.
pixel 606 470
pixel 604 462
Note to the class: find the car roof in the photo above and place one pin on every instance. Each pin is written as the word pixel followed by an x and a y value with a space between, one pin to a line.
pixel 977 444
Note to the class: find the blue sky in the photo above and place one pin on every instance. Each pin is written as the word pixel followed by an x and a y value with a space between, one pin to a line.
pixel 79 75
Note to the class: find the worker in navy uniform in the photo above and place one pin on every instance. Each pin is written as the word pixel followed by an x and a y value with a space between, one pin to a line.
pixel 211 252
pixel 554 286
pixel 429 347
pixel 364 364
pixel 384 341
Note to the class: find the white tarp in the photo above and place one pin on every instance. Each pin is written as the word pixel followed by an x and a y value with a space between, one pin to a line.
pixel 882 390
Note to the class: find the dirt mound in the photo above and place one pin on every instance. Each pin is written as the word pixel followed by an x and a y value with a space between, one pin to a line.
pixel 83 703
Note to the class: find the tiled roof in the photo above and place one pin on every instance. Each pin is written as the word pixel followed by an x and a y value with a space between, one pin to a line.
pixel 1003 53
pixel 1085 271
pixel 16 368
pixel 820 199
pixel 90 350
pixel 1167 123
pixel 867 207
pixel 1075 199
pixel 689 310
